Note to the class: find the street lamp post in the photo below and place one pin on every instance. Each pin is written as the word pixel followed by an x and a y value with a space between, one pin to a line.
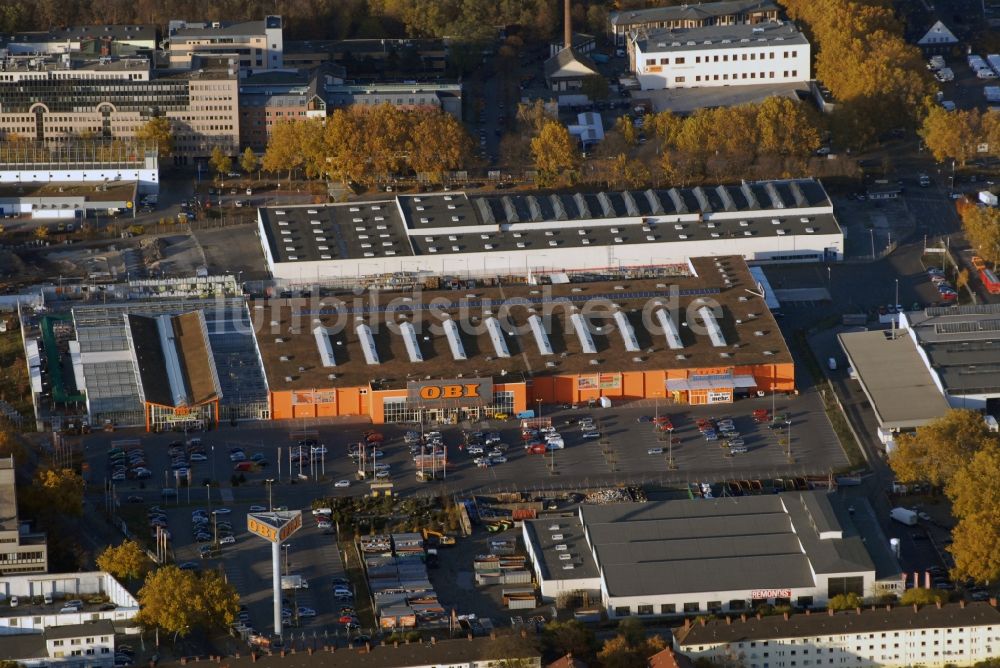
pixel 269 482
pixel 671 464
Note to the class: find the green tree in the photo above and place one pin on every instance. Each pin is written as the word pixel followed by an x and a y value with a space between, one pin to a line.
pixel 665 126
pixel 976 546
pixel 283 151
pixel 220 162
pixel 785 127
pixel 249 161
pixel 630 649
pixel 845 602
pixel 570 637
pixel 439 142
pixel 126 561
pixel 951 135
pixel 57 492
pixel 922 596
pixel 555 153
pixel 935 452
pixel 179 601
pixel 974 491
pixel 982 230
pixel 595 87
pixel 534 116
pixel 158 130
pixel 626 127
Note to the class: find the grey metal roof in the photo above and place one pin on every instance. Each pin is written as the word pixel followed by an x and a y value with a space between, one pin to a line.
pixel 101 627
pixel 540 534
pixel 426 224
pixel 895 379
pixel 240 29
pixel 716 545
pixel 881 619
pixel 963 345
pixel 707 11
pixel 663 40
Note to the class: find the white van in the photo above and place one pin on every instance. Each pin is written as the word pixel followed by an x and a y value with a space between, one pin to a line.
pixel 832 363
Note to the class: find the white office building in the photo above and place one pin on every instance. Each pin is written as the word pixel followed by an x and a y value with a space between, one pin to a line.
pixel 958 634
pixel 88 645
pixel 733 55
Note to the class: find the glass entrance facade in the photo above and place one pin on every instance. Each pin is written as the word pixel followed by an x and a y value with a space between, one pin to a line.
pixel 397 410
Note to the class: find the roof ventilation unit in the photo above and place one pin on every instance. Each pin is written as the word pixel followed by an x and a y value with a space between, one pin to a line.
pixel 583 334
pixel 367 343
pixel 541 337
pixel 627 332
pixel 454 340
pixel 410 339
pixel 323 344
pixel 496 335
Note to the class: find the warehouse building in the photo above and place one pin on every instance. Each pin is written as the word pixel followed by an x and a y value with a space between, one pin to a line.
pixel 939 358
pixel 162 364
pixel 99 162
pixel 689 557
pixel 960 633
pixel 746 54
pixel 697 334
pixel 455 234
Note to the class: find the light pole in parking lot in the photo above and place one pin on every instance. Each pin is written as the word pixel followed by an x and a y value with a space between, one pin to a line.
pixel 269 482
pixel 671 464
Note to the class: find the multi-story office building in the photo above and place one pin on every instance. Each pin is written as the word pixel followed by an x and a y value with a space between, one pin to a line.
pixel 765 53
pixel 20 550
pixel 59 99
pixel 100 40
pixel 258 45
pixel 267 98
pixel 727 12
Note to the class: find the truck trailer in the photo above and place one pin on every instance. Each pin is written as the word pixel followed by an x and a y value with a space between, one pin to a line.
pixel 904 516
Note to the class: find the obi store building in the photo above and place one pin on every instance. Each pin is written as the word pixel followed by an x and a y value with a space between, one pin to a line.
pixel 696 339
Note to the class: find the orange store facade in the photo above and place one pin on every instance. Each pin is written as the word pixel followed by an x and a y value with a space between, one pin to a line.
pixel 447 401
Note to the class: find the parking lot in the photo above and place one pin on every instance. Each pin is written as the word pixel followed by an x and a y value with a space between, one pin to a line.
pixel 619 455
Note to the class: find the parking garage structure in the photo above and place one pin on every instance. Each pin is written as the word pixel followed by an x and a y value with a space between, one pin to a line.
pixel 447 355
pixel 690 557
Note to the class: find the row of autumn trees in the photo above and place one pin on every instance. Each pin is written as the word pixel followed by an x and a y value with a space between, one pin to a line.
pixel 369 145
pixel 958 454
pixel 879 81
pixel 724 142
pixel 959 135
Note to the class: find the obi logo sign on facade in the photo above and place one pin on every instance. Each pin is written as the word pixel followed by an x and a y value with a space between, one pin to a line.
pixel 451 392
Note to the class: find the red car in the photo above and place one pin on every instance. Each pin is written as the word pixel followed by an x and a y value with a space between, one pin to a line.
pixel 537 449
pixel 347 619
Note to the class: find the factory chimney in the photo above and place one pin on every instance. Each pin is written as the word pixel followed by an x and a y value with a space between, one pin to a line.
pixel 567 25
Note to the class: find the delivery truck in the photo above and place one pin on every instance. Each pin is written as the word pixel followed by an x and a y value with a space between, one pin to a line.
pixel 904 516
